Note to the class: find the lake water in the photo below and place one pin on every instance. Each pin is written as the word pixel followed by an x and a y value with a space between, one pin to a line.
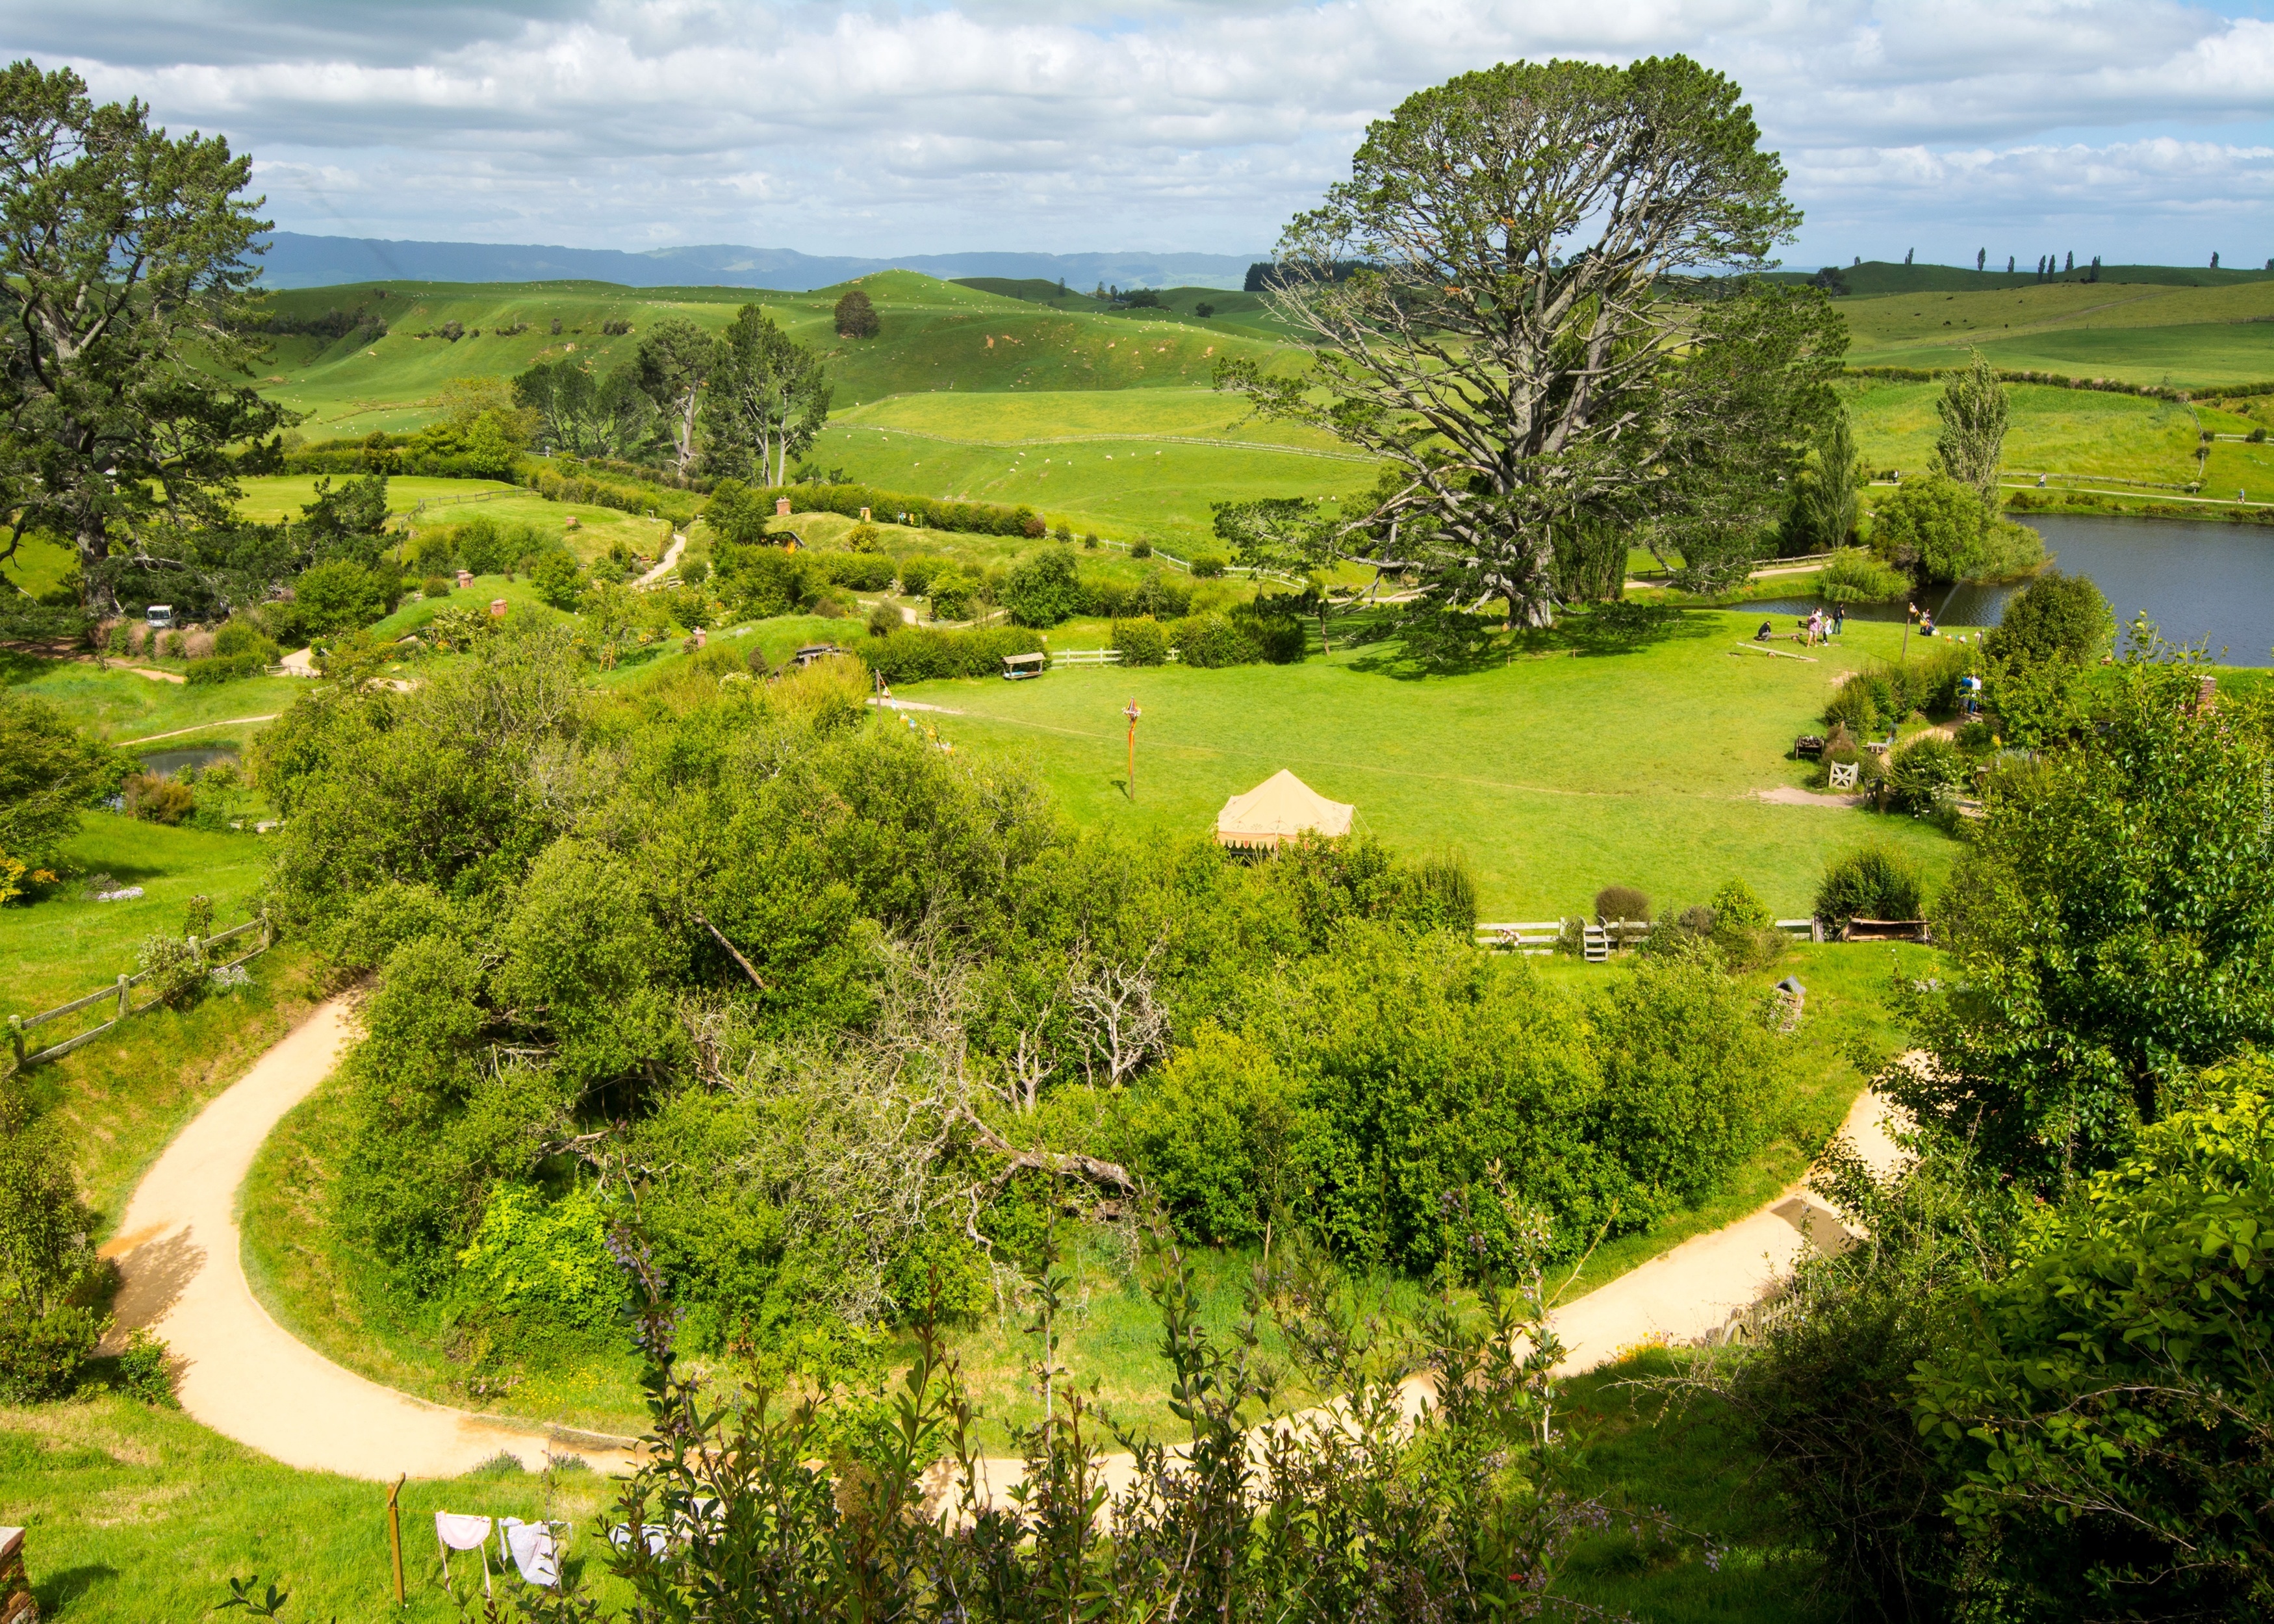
pixel 165 764
pixel 2194 581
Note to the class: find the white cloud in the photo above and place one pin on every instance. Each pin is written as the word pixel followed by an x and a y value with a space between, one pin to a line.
pixel 1169 124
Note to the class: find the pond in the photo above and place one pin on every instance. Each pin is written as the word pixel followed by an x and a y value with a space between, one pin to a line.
pixel 2193 580
pixel 165 764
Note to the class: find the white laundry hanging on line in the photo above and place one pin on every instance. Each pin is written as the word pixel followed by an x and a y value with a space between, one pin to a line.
pixel 457 1531
pixel 657 1539
pixel 532 1548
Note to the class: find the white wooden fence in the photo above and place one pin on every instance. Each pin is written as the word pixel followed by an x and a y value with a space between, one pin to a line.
pixel 1535 938
pixel 123 992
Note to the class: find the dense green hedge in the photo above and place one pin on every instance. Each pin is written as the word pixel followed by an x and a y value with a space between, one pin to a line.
pixel 921 653
pixel 741 512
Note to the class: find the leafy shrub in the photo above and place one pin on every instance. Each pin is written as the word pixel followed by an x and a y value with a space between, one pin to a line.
pixel 1210 641
pixel 1689 1071
pixel 1044 589
pixel 156 800
pixel 50 1274
pixel 435 587
pixel 1743 927
pixel 2101 1407
pixel 863 538
pixel 1143 642
pixel 1872 882
pixel 558 580
pixel 172 970
pixel 916 575
pixel 1853 575
pixel 741 512
pixel 1620 902
pixel 954 593
pixel 1208 567
pixel 242 638
pixel 1924 775
pixel 543 1262
pixel 1214 1133
pixel 924 653
pixel 341 596
pixel 2055 616
pixel 223 668
pixel 1276 636
pixel 144 1369
pixel 1140 548
pixel 43 1354
pixel 883 621
pixel 1088 542
pixel 863 572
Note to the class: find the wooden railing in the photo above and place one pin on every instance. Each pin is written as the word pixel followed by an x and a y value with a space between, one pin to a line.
pixel 1533 938
pixel 121 993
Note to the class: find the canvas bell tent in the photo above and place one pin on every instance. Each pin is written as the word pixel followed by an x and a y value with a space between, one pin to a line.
pixel 1277 810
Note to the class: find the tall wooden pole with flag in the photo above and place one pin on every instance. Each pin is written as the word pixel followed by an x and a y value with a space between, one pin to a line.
pixel 1132 713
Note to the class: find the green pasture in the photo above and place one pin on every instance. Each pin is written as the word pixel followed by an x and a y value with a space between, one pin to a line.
pixel 1137 463
pixel 2048 430
pixel 936 335
pixel 120 704
pixel 2133 332
pixel 1565 769
pixel 123 1095
pixel 40 564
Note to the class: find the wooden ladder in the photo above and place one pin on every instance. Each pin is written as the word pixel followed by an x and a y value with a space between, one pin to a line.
pixel 1597 944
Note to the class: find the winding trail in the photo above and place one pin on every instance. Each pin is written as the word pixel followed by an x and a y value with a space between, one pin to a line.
pixel 242 1374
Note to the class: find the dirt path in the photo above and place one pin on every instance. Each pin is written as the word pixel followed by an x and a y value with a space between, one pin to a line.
pixel 245 1377
pixel 241 1373
pixel 663 566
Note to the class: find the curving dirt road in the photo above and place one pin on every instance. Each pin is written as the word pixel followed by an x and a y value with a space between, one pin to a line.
pixel 240 1373
pixel 243 1375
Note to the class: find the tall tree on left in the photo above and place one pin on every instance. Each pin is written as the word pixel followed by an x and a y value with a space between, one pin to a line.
pixel 125 290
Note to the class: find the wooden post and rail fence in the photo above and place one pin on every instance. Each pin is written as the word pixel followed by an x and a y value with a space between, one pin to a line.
pixel 1599 940
pixel 121 995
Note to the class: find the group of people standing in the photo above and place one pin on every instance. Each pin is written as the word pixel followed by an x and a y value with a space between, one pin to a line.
pixel 1818 627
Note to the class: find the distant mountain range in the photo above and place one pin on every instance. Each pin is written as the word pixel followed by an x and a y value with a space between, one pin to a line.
pixel 295 260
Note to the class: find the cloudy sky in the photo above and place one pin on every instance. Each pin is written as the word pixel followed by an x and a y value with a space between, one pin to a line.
pixel 2134 129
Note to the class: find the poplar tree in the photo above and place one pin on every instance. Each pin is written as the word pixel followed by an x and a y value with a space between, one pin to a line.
pixel 1973 437
pixel 1530 340
pixel 127 292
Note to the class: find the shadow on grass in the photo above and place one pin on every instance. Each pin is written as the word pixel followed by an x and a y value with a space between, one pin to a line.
pixel 17 664
pixel 58 1590
pixel 1421 642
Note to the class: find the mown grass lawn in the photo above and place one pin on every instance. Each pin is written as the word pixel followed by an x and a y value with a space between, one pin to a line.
pixel 1556 772
pixel 133 1513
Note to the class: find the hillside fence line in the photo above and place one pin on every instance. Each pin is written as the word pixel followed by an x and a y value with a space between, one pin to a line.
pixel 122 992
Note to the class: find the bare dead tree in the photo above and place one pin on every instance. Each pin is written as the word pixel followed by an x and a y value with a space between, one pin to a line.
pixel 1119 1013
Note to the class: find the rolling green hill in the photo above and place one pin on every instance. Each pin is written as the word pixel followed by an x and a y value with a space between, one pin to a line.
pixel 937 335
pixel 1877 276
pixel 2137 332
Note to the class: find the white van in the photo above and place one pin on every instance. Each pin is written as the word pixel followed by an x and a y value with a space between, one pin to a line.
pixel 160 616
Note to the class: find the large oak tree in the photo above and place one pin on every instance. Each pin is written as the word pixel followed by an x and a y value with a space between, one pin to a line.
pixel 125 286
pixel 1542 340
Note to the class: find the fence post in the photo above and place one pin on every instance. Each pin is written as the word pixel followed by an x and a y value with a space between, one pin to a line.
pixel 125 993
pixel 15 1037
pixel 198 949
